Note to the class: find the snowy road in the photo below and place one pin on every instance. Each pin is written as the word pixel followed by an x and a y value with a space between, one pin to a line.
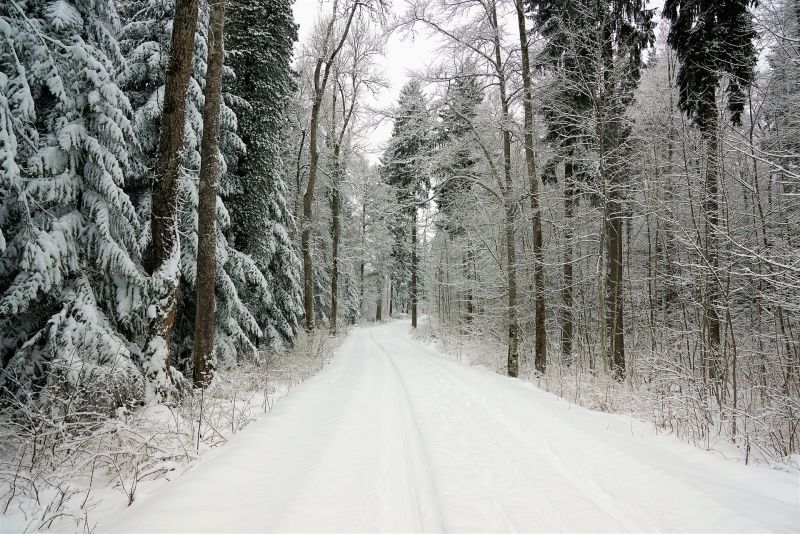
pixel 394 437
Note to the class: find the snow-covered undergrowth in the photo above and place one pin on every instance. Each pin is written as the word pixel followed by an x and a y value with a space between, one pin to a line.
pixel 64 466
pixel 659 394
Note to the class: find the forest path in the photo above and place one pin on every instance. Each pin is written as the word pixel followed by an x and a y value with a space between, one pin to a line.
pixel 392 436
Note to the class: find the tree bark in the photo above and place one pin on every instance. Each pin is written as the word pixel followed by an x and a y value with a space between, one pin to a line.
pixel 566 290
pixel 710 251
pixel 414 262
pixel 165 269
pixel 540 352
pixel 207 204
pixel 614 285
pixel 335 235
pixel 506 185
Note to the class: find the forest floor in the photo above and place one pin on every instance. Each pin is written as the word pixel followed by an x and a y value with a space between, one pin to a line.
pixel 394 436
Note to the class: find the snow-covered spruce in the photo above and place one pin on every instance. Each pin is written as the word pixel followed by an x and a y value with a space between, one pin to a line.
pixel 70 272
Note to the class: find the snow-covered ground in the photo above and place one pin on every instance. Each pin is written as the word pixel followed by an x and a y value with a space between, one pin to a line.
pixel 393 436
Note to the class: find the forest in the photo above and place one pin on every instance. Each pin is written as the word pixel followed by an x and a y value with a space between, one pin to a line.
pixel 601 198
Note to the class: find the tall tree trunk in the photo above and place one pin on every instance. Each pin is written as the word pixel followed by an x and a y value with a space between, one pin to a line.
pixel 308 212
pixel 468 260
pixel 710 250
pixel 614 281
pixel 363 253
pixel 611 169
pixel 540 352
pixel 335 234
pixel 414 262
pixel 566 290
pixel 166 254
pixel 379 280
pixel 322 71
pixel 207 204
pixel 506 186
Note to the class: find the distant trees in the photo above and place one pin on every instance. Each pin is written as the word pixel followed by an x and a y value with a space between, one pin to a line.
pixel 406 170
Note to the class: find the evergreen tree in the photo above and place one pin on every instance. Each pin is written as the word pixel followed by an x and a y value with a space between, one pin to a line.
pixel 236 331
pixel 712 39
pixel 405 170
pixel 596 50
pixel 260 37
pixel 454 139
pixel 71 280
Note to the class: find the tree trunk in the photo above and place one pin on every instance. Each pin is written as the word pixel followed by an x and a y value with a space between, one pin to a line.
pixel 506 185
pixel 207 204
pixel 469 259
pixel 414 261
pixel 540 352
pixel 335 234
pixel 614 282
pixel 363 253
pixel 710 251
pixel 166 254
pixel 308 212
pixel 566 290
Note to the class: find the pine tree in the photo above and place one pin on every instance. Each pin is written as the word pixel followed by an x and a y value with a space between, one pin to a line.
pixel 712 39
pixel 454 140
pixel 261 36
pixel 236 330
pixel 405 170
pixel 71 280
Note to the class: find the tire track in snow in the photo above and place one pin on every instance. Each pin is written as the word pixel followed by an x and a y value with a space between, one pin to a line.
pixel 503 449
pixel 643 512
pixel 414 456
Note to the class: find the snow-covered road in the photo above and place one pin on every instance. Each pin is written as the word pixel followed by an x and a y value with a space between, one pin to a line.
pixel 394 437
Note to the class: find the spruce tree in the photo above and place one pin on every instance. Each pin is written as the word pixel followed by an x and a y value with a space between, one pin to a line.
pixel 236 330
pixel 712 39
pixel 261 34
pixel 405 170
pixel 71 279
pixel 454 142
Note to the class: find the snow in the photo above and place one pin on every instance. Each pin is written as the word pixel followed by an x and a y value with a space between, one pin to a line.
pixel 393 436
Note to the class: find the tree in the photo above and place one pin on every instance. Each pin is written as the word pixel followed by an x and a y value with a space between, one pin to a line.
pixel 166 249
pixel 353 75
pixel 260 37
pixel 601 80
pixel 405 170
pixel 331 42
pixel 71 282
pixel 242 291
pixel 712 40
pixel 207 206
pixel 540 350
